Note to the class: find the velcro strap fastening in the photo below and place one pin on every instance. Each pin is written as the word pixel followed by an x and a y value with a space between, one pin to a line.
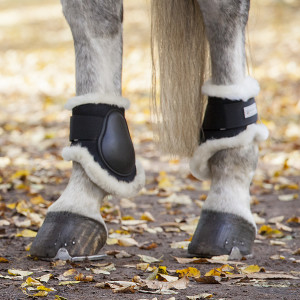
pixel 85 128
pixel 224 114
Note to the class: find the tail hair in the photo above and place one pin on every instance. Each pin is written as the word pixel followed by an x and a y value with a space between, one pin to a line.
pixel 179 67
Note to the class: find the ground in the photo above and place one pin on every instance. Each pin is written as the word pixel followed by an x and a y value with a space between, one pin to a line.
pixel 37 76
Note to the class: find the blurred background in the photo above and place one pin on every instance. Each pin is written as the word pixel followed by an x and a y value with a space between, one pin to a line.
pixel 37 77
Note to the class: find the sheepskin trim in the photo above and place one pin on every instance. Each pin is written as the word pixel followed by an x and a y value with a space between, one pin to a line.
pixel 101 177
pixel 246 89
pixel 199 162
pixel 96 99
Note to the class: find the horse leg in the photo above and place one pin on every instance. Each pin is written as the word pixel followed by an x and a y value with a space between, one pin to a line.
pixel 101 148
pixel 228 152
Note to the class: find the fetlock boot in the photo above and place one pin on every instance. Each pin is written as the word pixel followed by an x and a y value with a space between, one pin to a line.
pixel 227 156
pixel 103 163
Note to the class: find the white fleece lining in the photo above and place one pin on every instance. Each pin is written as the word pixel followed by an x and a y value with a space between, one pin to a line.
pixel 96 99
pixel 244 90
pixel 199 162
pixel 101 177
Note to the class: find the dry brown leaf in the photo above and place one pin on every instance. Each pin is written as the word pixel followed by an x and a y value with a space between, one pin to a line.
pixel 209 279
pixel 85 278
pixel 148 246
pixel 200 296
pixel 297 252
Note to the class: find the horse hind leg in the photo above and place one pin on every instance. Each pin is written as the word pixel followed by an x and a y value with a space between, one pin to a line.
pixel 101 148
pixel 228 152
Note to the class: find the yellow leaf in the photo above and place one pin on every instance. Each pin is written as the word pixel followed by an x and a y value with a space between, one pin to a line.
pixel 38 200
pixel 57 297
pixel 189 272
pixel 3 260
pixel 163 180
pixel 162 270
pixel 43 288
pixel 22 208
pixel 294 220
pixel 125 218
pixel 213 272
pixel 40 294
pixel 11 205
pixel 269 231
pixel 19 174
pixel 32 282
pixel 251 269
pixel 26 233
pixel 27 248
pixel 147 217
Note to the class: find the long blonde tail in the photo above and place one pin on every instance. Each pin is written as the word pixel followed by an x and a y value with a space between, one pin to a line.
pixel 179 60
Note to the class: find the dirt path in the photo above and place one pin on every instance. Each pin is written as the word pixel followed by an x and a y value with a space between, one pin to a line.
pixel 37 76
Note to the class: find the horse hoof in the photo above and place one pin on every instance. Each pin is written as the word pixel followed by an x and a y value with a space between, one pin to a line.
pixel 80 235
pixel 218 233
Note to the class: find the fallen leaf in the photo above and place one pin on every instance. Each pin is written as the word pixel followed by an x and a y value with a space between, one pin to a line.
pixel 147 217
pixel 180 245
pixel 3 260
pixel 26 233
pixel 267 230
pixel 288 197
pixel 297 252
pixel 148 246
pixel 127 242
pixel 69 282
pixel 57 297
pixel 85 278
pixel 275 220
pixel 167 278
pixel 209 279
pixel 44 278
pixel 200 296
pixel 148 259
pixel 294 220
pixel 16 272
pixel 188 272
pixel 250 269
pixel 184 260
pixel 177 199
pixel 142 266
pixel 70 272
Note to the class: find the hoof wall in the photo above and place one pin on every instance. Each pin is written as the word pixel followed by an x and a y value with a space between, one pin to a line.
pixel 80 235
pixel 218 233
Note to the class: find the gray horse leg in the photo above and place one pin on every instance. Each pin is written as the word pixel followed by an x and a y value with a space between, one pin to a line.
pixel 228 155
pixel 98 130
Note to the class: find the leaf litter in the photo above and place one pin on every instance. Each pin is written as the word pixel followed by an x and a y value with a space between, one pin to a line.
pixel 32 172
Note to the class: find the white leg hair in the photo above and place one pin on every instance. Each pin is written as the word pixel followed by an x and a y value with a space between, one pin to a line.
pixel 81 196
pixel 97 33
pixel 229 162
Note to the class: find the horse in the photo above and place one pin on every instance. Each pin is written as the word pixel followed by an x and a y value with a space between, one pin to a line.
pixel 205 110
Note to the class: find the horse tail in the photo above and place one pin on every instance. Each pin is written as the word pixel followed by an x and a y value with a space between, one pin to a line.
pixel 179 59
